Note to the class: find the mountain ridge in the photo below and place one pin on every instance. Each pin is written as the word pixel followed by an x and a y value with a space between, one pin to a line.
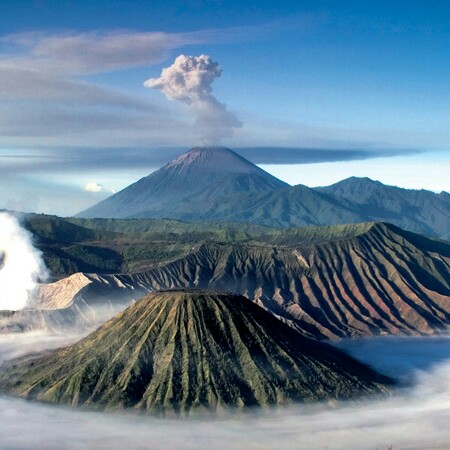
pixel 417 210
pixel 340 281
pixel 216 184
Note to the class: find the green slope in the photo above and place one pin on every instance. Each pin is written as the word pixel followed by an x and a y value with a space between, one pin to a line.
pixel 187 350
pixel 74 245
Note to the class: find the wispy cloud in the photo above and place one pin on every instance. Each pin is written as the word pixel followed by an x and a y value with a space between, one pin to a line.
pixel 45 90
pixel 73 53
pixel 89 160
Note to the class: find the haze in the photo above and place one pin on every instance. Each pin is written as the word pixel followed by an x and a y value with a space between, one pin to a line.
pixel 415 420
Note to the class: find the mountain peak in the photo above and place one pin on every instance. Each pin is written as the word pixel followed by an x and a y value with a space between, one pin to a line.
pixel 188 186
pixel 212 159
pixel 360 181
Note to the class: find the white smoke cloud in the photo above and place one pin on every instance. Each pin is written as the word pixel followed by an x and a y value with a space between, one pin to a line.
pixel 21 265
pixel 189 80
pixel 93 187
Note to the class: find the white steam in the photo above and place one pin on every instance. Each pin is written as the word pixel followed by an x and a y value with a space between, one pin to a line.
pixel 189 80
pixel 21 265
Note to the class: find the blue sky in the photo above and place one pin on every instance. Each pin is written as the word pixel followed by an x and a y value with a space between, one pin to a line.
pixel 348 75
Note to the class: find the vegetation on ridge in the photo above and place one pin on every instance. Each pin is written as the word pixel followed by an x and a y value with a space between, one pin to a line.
pixel 180 351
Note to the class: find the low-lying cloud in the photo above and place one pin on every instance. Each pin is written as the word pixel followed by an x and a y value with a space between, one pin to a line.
pixel 92 160
pixel 189 80
pixel 415 420
pixel 21 265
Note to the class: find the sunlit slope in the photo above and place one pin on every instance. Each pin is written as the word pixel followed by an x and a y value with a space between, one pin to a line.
pixel 382 280
pixel 184 350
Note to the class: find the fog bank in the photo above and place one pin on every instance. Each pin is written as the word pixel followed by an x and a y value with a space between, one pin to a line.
pixel 416 420
pixel 21 265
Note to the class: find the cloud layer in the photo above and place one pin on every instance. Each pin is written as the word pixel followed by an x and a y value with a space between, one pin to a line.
pixel 189 80
pixel 416 420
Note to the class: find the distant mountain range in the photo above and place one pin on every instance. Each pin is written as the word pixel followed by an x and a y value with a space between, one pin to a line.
pixel 420 211
pixel 216 184
pixel 186 351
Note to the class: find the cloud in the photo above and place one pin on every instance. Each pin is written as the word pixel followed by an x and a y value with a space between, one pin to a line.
pixel 283 155
pixel 88 160
pixel 93 187
pixel 189 80
pixel 77 53
pixel 21 266
pixel 416 420
pixel 43 98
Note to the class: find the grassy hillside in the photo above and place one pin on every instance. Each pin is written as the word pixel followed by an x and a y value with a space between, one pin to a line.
pixel 74 245
pixel 187 350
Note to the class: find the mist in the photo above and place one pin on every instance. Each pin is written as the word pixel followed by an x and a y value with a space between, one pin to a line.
pixel 416 418
pixel 21 265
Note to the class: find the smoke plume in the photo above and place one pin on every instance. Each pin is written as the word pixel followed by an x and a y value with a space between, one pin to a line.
pixel 189 80
pixel 21 265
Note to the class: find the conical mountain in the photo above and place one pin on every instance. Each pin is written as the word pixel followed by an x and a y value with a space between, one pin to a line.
pixel 180 351
pixel 190 183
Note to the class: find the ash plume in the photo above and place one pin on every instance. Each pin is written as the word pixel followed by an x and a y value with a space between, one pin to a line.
pixel 21 265
pixel 189 80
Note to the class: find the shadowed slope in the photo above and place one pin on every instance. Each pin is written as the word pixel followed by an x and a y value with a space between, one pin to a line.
pixel 178 351
pixel 379 280
pixel 420 211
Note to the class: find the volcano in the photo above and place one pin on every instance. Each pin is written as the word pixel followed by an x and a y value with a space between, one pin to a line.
pixel 186 350
pixel 193 182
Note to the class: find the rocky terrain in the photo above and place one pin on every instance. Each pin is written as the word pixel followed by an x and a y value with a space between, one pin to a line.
pixel 183 351
pixel 342 281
